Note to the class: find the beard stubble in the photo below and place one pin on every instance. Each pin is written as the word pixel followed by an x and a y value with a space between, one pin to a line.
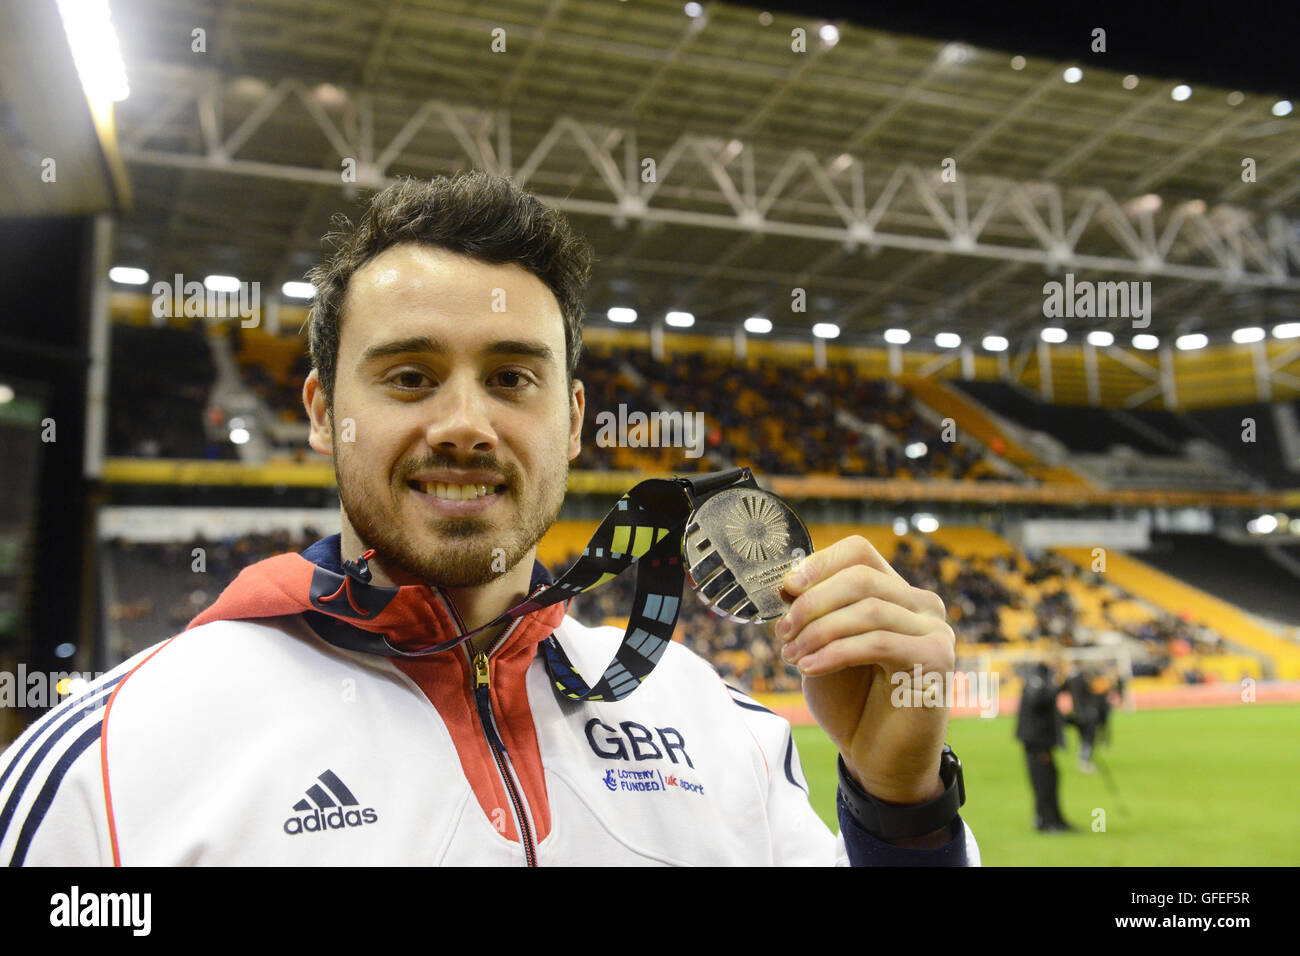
pixel 464 554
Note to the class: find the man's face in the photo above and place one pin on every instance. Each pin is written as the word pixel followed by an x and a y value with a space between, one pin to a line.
pixel 450 372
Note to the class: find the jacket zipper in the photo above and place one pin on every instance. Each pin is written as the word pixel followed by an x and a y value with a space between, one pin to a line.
pixel 481 684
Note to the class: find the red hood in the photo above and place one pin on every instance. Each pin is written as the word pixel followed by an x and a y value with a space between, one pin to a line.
pixel 411 616
pixel 415 616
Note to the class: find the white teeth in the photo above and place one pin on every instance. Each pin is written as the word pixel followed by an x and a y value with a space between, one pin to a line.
pixel 455 492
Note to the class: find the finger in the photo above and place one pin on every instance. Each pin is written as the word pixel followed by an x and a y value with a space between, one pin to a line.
pixel 931 652
pixel 844 553
pixel 859 650
pixel 844 588
pixel 868 615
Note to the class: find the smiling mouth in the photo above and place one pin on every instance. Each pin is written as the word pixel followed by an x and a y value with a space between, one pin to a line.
pixel 450 492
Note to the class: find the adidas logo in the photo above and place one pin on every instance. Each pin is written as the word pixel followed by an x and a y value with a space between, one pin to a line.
pixel 328 807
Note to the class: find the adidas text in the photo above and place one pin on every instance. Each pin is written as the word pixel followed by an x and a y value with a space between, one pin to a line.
pixel 338 819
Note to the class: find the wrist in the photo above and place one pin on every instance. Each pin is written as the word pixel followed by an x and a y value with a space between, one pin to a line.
pixel 923 820
pixel 900 792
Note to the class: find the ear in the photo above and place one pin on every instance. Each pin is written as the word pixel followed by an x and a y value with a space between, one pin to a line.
pixel 322 428
pixel 577 408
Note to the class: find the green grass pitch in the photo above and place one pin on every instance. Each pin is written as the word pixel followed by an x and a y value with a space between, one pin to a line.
pixel 1204 787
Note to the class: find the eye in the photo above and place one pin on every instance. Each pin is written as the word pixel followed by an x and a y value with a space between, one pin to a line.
pixel 514 375
pixel 409 379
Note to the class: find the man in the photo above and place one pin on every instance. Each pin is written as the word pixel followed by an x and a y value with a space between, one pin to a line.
pixel 445 335
pixel 1087 713
pixel 1038 728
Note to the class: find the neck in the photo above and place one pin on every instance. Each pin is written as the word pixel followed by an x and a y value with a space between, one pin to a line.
pixel 477 605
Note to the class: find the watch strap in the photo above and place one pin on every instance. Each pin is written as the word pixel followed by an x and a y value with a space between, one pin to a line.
pixel 893 821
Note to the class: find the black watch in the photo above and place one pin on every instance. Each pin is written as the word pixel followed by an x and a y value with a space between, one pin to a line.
pixel 895 821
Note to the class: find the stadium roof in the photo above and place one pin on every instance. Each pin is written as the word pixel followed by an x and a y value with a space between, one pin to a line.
pixel 775 169
pixel 57 155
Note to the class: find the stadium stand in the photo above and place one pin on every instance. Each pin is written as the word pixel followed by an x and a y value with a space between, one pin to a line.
pixel 801 420
pixel 1187 602
pixel 997 597
pixel 1155 432
pixel 780 419
pixel 1265 456
pixel 1122 448
pixel 785 420
pixel 158 390
pixel 274 367
pixel 976 422
pixel 152 589
pixel 790 420
pixel 1243 574
pixel 1079 428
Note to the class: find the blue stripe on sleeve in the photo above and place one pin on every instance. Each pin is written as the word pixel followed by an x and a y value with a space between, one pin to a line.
pixel 71 718
pixel 88 701
pixel 789 763
pixel 46 796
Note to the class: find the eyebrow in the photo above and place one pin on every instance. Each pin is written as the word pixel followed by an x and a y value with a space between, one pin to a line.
pixel 429 346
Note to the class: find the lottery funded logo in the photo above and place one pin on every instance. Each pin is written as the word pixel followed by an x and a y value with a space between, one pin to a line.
pixel 648 781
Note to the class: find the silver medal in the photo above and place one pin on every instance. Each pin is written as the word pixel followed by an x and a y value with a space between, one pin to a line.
pixel 738 546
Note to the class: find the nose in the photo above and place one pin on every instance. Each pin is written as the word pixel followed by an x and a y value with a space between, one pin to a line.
pixel 460 417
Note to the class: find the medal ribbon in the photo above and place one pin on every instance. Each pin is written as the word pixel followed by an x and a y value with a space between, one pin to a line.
pixel 644 528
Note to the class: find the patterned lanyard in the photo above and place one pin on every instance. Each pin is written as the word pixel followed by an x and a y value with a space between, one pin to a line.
pixel 644 528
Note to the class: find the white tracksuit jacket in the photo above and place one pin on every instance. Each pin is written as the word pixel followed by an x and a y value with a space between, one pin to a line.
pixel 256 742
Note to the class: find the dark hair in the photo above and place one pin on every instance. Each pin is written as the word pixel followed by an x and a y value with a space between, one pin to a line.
pixel 486 217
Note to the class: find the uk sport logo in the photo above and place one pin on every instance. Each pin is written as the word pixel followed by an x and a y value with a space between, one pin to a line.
pixel 328 805
pixel 648 781
pixel 690 787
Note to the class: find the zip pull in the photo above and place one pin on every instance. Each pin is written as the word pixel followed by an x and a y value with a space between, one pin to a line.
pixel 482 688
